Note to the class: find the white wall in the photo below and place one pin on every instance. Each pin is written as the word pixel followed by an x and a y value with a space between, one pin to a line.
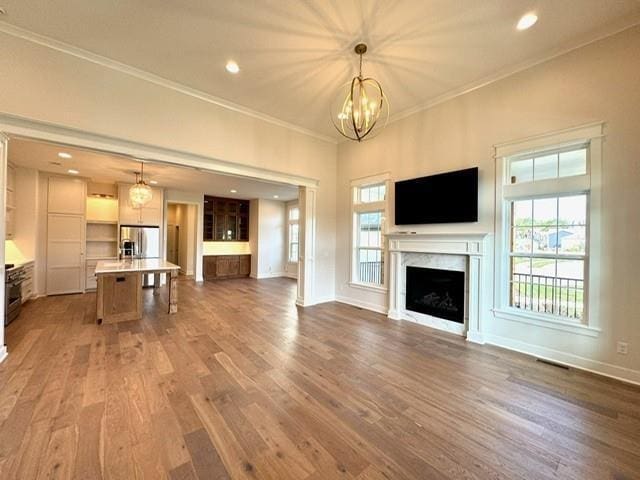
pixel 596 82
pixel 93 98
pixel 269 238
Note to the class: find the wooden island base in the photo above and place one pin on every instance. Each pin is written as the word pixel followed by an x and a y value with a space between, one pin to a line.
pixel 119 293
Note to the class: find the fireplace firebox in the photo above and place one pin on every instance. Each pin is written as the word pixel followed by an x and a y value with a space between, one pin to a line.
pixel 436 292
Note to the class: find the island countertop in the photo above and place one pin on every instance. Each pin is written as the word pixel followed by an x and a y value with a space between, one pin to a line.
pixel 134 265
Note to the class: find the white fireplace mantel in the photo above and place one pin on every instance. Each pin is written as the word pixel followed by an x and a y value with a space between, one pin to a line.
pixel 474 246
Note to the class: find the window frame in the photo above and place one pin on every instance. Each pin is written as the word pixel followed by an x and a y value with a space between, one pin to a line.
pixel 358 207
pixel 290 223
pixel 589 136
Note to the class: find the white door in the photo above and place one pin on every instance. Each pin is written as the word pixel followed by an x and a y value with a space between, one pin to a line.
pixel 65 254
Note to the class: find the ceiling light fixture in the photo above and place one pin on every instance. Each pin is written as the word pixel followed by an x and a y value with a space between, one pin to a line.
pixel 140 194
pixel 64 155
pixel 276 196
pixel 527 21
pixel 73 171
pixel 232 67
pixel 233 191
pixel 153 182
pixel 361 108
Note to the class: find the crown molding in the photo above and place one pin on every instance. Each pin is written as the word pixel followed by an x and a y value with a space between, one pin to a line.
pixel 106 62
pixel 502 74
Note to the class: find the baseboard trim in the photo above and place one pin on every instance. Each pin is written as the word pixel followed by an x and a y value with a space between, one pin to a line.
pixel 360 304
pixel 622 374
pixel 260 276
pixel 3 353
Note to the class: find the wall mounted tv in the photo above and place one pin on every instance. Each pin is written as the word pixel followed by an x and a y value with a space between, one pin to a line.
pixel 450 197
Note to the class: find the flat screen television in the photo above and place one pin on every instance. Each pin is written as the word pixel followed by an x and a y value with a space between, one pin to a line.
pixel 450 197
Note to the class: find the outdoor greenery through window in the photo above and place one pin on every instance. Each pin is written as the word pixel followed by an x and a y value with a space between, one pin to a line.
pixel 369 214
pixel 549 237
pixel 294 232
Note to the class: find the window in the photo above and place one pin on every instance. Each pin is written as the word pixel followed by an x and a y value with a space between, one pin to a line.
pixel 369 213
pixel 545 230
pixel 294 232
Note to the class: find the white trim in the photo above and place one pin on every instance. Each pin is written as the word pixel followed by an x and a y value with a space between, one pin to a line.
pixel 369 287
pixel 592 135
pixel 33 129
pixel 262 276
pixel 361 304
pixel 545 321
pixel 3 353
pixel 623 374
pixel 123 68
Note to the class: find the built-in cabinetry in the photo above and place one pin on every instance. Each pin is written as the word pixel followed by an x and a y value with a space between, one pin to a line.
pixel 225 219
pixel 102 228
pixel 216 267
pixel 149 215
pixel 28 289
pixel 11 202
pixel 66 204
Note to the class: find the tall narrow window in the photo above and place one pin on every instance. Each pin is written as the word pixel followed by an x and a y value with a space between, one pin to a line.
pixel 294 233
pixel 369 213
pixel 547 228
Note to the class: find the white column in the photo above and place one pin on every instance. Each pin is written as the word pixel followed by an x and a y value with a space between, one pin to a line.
pixel 474 331
pixel 395 271
pixel 307 239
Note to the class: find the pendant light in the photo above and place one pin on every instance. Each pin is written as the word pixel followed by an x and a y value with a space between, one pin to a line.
pixel 140 194
pixel 360 108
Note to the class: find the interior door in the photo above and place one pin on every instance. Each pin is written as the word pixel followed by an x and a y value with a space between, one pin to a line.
pixel 65 253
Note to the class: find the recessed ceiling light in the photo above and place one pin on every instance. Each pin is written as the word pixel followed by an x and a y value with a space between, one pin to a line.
pixel 64 155
pixel 73 171
pixel 232 67
pixel 527 21
pixel 233 191
pixel 276 196
pixel 153 182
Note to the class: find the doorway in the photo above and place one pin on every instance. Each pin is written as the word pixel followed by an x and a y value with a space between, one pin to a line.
pixel 181 241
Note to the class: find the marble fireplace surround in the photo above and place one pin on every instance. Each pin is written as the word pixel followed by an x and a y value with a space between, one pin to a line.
pixel 459 252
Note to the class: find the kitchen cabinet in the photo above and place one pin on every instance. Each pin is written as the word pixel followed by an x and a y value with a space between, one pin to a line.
pixel 225 219
pixel 66 204
pixel 149 215
pixel 216 267
pixel 28 282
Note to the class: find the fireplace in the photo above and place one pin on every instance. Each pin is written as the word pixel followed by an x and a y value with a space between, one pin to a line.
pixel 436 292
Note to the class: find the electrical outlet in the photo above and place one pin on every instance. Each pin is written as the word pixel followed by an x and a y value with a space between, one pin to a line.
pixel 622 348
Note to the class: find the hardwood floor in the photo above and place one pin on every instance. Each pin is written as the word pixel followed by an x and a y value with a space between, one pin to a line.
pixel 241 384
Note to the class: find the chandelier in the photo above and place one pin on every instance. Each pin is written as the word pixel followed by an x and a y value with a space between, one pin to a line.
pixel 360 108
pixel 140 194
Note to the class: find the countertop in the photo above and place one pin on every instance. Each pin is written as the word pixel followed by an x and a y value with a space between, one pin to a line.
pixel 135 265
pixel 18 264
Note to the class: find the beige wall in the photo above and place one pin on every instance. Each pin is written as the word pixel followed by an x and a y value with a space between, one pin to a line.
pixel 89 97
pixel 596 82
pixel 270 239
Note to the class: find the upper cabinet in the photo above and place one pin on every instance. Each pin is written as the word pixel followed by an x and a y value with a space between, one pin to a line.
pixel 226 219
pixel 149 215
pixel 67 195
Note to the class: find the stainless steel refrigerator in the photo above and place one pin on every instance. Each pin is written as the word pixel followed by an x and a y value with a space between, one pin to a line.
pixel 140 242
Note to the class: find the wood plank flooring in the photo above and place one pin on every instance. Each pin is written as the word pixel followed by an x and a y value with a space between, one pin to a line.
pixel 241 384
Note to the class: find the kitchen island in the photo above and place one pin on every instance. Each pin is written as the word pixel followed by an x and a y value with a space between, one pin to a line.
pixel 119 293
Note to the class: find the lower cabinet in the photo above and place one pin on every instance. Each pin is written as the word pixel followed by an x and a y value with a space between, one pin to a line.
pixel 27 289
pixel 216 267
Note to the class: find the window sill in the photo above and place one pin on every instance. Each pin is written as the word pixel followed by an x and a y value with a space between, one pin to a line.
pixel 371 288
pixel 546 321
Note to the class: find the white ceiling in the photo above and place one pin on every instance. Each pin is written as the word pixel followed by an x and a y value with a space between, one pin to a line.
pixel 106 168
pixel 293 54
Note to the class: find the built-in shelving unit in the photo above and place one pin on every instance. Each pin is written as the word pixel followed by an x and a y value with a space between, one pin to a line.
pixel 102 228
pixel 102 239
